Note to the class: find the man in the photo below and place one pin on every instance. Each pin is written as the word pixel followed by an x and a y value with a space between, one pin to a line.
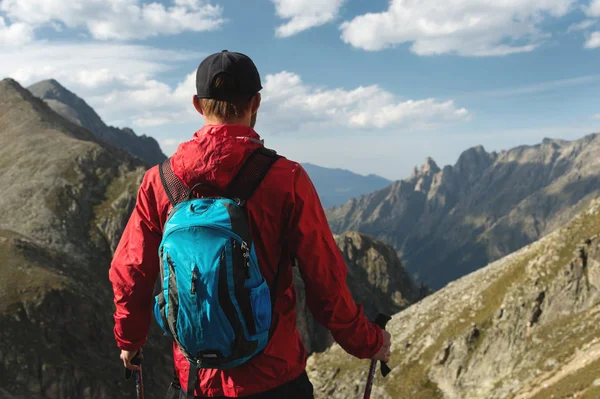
pixel 286 220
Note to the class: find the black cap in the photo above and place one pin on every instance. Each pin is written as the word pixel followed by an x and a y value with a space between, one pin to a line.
pixel 238 66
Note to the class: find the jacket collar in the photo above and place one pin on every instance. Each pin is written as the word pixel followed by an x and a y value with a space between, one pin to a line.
pixel 241 131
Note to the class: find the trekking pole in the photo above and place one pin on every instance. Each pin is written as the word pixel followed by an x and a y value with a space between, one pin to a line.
pixel 139 376
pixel 381 320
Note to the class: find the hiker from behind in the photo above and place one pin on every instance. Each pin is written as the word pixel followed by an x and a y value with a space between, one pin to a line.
pixel 221 224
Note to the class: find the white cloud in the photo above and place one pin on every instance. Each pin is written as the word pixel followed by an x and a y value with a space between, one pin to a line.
pixel 121 82
pixel 597 116
pixel 15 34
pixel 152 103
pixel 305 14
pixel 117 19
pixel 464 27
pixel 593 41
pixel 89 65
pixel 290 104
pixel 125 85
pixel 594 9
pixel 583 25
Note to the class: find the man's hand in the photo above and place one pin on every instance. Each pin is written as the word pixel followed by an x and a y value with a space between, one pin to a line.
pixel 126 357
pixel 385 352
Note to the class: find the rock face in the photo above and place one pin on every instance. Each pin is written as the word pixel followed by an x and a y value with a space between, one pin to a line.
pixel 446 223
pixel 337 186
pixel 66 199
pixel 376 279
pixel 67 104
pixel 525 327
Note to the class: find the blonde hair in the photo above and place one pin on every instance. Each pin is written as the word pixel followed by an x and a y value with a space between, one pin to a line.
pixel 225 110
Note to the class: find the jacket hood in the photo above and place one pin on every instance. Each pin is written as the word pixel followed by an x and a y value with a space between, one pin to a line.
pixel 214 155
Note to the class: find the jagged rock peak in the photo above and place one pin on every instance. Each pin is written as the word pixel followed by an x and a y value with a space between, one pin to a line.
pixel 488 205
pixel 414 173
pixel 430 166
pixel 473 156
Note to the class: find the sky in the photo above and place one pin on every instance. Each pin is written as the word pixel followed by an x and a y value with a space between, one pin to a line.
pixel 371 86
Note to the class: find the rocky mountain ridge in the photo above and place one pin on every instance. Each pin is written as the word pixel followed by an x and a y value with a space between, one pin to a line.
pixel 525 327
pixel 447 222
pixel 63 214
pixel 75 109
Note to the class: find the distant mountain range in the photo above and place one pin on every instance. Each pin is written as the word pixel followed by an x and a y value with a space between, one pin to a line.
pixel 75 109
pixel 336 186
pixel 446 223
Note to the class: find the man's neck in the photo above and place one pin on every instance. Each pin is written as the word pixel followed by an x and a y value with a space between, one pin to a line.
pixel 240 121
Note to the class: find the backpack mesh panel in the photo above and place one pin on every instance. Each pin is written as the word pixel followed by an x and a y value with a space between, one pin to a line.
pixel 251 174
pixel 176 190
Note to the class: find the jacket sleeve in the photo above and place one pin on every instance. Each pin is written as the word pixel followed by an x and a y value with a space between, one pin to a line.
pixel 324 270
pixel 134 270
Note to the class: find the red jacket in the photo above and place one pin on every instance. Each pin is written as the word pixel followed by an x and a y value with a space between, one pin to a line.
pixel 214 155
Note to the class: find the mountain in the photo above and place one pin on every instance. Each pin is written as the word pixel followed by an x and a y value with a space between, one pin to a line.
pixel 336 186
pixel 525 327
pixel 376 279
pixel 62 216
pixel 446 223
pixel 79 112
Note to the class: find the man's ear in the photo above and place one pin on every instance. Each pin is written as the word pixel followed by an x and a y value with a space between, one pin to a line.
pixel 255 103
pixel 197 105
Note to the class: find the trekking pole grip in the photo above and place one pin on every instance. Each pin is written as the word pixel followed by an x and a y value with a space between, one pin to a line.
pixel 381 320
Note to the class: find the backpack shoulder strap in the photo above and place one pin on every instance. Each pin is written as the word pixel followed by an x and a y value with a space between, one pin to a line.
pixel 242 187
pixel 174 187
pixel 251 174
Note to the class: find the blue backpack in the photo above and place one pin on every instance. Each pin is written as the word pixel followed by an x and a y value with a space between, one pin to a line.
pixel 214 300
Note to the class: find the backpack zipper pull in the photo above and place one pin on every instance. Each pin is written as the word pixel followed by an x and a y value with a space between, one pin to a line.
pixel 194 280
pixel 246 251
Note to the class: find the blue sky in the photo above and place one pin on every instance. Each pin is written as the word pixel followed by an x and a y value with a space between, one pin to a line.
pixel 368 85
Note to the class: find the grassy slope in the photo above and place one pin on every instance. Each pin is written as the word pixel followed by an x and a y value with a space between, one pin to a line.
pixel 504 281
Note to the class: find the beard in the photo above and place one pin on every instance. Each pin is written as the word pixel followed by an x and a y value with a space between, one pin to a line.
pixel 253 120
